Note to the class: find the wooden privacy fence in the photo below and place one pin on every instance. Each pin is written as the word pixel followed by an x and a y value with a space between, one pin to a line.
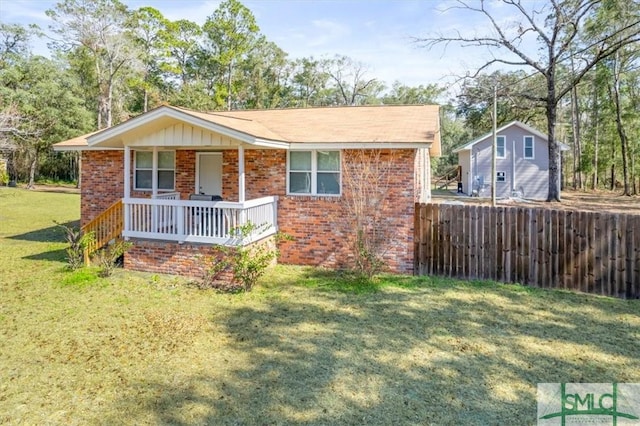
pixel 593 252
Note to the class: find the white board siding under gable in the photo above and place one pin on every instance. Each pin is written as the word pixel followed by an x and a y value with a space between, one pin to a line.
pixel 183 135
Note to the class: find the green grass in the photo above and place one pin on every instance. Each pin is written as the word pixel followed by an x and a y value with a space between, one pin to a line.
pixel 307 346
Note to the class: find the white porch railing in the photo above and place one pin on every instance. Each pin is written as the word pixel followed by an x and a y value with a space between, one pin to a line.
pixel 167 196
pixel 213 222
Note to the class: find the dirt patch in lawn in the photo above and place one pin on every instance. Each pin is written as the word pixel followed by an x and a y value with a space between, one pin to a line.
pixel 63 189
pixel 598 201
pixel 603 201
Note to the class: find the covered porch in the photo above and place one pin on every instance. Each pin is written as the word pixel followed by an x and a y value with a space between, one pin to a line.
pixel 181 178
pixel 210 222
pixel 197 216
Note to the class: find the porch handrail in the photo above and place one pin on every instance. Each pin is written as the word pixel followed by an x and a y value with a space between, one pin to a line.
pixel 221 204
pixel 167 196
pixel 105 227
pixel 210 222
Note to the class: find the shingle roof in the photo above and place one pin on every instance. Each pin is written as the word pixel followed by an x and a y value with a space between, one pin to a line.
pixel 363 124
pixel 78 141
pixel 398 123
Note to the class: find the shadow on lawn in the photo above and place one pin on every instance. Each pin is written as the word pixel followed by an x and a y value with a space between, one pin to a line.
pixel 59 255
pixel 402 357
pixel 47 235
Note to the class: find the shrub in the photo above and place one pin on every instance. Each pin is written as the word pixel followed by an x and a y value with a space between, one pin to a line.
pixel 107 257
pixel 246 264
pixel 4 177
pixel 78 242
pixel 368 261
pixel 366 178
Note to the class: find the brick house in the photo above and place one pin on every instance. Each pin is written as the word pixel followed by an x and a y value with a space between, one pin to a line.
pixel 178 181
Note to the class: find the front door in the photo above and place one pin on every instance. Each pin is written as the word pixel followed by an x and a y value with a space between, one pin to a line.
pixel 209 173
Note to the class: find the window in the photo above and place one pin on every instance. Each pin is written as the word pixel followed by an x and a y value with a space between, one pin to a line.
pixel 528 147
pixel 500 143
pixel 501 176
pixel 314 172
pixel 165 169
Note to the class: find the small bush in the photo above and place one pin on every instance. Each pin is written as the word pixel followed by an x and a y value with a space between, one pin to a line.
pixel 78 242
pixel 217 270
pixel 246 264
pixel 368 262
pixel 4 178
pixel 107 257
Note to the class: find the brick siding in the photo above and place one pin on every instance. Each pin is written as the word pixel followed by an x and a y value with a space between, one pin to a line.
pixel 102 182
pixel 168 257
pixel 318 223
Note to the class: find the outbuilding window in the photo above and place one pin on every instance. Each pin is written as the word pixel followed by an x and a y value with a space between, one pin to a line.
pixel 528 147
pixel 500 144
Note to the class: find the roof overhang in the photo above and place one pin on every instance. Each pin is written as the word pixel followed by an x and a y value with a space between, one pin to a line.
pixel 265 129
pixel 520 124
pixel 358 145
pixel 116 136
pixel 85 147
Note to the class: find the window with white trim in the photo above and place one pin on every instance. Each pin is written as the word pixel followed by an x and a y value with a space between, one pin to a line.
pixel 500 144
pixel 501 176
pixel 313 172
pixel 528 147
pixel 165 169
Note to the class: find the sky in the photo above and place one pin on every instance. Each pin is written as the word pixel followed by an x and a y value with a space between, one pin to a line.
pixel 377 33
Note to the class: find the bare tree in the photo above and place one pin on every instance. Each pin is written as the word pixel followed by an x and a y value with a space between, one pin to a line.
pixel 366 181
pixel 349 77
pixel 620 127
pixel 16 133
pixel 9 119
pixel 559 27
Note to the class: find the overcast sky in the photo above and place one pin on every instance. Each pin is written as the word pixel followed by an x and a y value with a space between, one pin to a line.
pixel 378 33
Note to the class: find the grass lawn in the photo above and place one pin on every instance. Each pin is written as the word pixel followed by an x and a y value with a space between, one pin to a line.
pixel 305 347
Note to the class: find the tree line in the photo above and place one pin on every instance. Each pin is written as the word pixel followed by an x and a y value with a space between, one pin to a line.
pixel 109 63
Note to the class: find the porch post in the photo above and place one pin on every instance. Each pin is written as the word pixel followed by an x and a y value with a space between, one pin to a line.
pixel 154 190
pixel 127 187
pixel 127 172
pixel 241 195
pixel 154 173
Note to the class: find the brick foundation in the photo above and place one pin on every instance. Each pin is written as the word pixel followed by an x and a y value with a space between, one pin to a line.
pixel 166 257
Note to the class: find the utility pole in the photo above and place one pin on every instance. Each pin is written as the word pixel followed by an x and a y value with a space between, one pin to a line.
pixel 494 146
